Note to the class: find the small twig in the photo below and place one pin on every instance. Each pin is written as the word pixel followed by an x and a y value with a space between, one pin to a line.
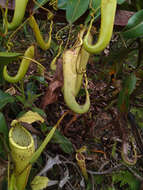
pixel 109 171
pixel 103 165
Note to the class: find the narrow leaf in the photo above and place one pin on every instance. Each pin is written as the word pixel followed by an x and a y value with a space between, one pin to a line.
pixel 8 57
pixel 5 98
pixel 130 83
pixel 134 28
pixel 43 145
pixel 134 20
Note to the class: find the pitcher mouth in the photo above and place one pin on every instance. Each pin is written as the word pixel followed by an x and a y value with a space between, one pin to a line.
pixel 20 137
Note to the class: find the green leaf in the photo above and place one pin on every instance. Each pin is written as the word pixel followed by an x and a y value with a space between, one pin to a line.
pixel 63 142
pixel 39 111
pixel 96 4
pixel 126 178
pixel 21 99
pixel 62 4
pixel 38 152
pixel 99 179
pixel 134 28
pixel 39 182
pixel 66 146
pixel 130 83
pixel 40 79
pixel 134 20
pixel 5 98
pixel 8 57
pixel 75 9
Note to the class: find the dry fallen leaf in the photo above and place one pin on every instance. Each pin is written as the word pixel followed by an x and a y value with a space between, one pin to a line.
pixel 122 17
pixel 54 88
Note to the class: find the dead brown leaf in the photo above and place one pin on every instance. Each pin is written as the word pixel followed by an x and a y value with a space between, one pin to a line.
pixel 122 17
pixel 54 88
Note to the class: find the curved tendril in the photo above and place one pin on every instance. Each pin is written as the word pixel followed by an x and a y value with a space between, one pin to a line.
pixel 53 63
pixel 41 7
pixel 58 38
pixel 9 43
pixel 90 26
pixel 34 61
pixel 79 40
pixel 68 38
